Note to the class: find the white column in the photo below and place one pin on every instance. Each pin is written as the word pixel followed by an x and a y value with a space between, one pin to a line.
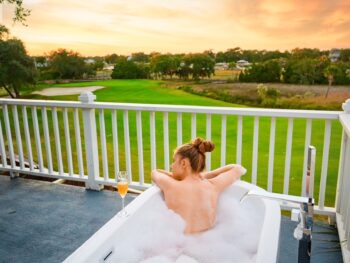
pixel 90 136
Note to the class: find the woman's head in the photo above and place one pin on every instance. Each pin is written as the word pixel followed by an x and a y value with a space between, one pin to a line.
pixel 192 155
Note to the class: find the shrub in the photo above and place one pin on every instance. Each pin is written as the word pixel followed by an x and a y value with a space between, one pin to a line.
pixel 125 69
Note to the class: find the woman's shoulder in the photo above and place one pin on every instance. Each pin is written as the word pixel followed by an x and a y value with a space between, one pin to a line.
pixel 162 180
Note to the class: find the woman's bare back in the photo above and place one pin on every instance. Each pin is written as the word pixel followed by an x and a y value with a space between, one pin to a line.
pixel 195 201
pixel 194 196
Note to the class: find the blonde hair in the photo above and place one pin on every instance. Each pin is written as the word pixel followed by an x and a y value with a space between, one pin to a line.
pixel 195 152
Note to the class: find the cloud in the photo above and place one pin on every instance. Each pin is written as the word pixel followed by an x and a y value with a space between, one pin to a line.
pixel 119 26
pixel 279 19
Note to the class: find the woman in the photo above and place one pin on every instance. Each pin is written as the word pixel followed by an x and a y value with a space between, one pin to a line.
pixel 190 192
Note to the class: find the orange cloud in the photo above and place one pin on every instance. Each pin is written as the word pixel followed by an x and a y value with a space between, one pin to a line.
pixel 106 26
pixel 300 21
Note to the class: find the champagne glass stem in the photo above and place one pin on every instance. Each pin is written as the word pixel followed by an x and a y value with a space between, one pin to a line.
pixel 123 211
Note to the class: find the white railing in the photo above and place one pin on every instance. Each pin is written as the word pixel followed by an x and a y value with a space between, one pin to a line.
pixel 343 193
pixel 49 145
pixel 87 109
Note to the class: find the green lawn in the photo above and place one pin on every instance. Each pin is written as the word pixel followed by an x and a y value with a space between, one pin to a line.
pixel 147 91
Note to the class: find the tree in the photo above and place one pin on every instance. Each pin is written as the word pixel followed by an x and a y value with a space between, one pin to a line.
pixel 345 55
pixel 209 53
pixel 127 69
pixel 272 71
pixel 268 95
pixel 17 69
pixel 306 71
pixel 200 65
pixel 220 57
pixel 97 65
pixel 300 53
pixel 330 73
pixel 232 65
pixel 4 32
pixel 112 58
pixel 21 13
pixel 342 75
pixel 164 65
pixel 269 71
pixel 183 71
pixel 139 57
pixel 66 64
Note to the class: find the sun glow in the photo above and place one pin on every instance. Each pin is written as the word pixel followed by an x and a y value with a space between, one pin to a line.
pixel 106 26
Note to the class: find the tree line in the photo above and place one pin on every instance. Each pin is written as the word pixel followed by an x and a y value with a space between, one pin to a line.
pixel 299 70
pixel 161 66
pixel 299 66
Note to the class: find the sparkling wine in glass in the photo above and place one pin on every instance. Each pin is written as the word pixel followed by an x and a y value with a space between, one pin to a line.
pixel 122 185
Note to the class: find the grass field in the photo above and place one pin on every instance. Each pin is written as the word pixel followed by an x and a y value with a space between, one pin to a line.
pixel 146 91
pixel 226 74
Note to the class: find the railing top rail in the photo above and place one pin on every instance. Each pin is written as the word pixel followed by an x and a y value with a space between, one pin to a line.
pixel 344 119
pixel 313 114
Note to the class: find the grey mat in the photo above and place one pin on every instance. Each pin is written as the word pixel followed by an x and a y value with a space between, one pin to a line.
pixel 46 222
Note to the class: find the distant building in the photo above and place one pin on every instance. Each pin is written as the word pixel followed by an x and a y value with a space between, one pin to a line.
pixel 334 54
pixel 41 64
pixel 89 61
pixel 221 66
pixel 107 66
pixel 242 64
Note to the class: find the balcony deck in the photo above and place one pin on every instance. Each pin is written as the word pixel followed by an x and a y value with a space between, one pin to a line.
pixel 46 222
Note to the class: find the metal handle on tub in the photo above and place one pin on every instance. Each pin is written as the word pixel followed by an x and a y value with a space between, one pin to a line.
pixel 303 231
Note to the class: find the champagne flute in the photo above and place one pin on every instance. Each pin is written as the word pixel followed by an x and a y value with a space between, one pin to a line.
pixel 122 185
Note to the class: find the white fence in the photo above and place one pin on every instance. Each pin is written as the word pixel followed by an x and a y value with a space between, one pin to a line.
pixel 343 193
pixel 56 144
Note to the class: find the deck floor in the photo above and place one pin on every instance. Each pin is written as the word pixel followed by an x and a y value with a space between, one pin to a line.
pixel 46 222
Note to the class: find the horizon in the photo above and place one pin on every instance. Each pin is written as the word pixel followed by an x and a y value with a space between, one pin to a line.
pixel 99 29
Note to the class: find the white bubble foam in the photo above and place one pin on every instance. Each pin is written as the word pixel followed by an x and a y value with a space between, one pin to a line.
pixel 155 234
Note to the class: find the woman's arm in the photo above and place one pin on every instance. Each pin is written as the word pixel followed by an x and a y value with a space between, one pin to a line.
pixel 216 172
pixel 165 172
pixel 225 176
pixel 161 179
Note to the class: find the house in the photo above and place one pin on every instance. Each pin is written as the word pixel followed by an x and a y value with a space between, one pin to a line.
pixel 334 54
pixel 242 64
pixel 41 64
pixel 89 61
pixel 221 66
pixel 107 66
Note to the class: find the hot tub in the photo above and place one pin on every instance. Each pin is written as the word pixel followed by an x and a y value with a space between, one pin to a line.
pixel 252 226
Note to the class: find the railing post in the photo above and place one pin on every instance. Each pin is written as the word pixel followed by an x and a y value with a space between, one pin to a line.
pixel 342 202
pixel 90 135
pixel 339 191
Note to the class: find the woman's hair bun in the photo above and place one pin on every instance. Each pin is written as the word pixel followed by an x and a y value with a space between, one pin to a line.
pixel 203 145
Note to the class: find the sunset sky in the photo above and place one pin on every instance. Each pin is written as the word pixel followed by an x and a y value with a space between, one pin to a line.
pixel 101 27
